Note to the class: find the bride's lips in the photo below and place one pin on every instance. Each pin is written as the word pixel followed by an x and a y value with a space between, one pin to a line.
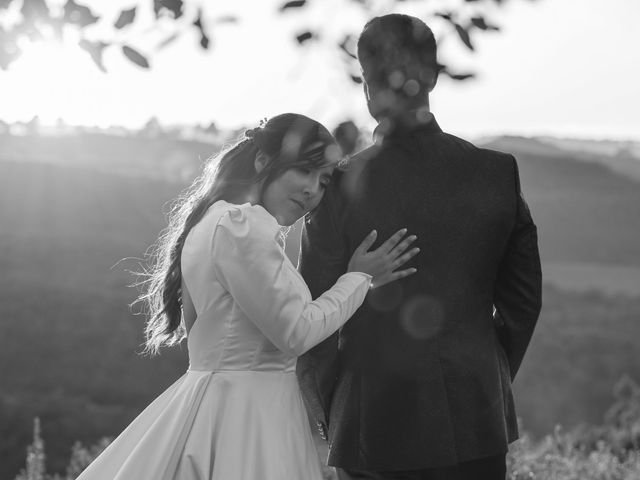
pixel 299 204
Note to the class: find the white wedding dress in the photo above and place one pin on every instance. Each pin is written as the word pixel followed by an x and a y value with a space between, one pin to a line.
pixel 237 413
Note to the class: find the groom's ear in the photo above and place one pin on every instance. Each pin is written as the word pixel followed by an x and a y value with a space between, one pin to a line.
pixel 435 74
pixel 261 161
pixel 433 82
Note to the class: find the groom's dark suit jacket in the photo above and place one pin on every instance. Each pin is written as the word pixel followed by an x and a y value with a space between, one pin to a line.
pixel 421 375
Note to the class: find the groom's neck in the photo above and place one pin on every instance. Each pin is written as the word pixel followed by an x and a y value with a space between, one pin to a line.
pixel 411 117
pixel 406 108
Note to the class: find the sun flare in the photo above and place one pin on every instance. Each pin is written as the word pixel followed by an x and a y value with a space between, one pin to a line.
pixel 49 81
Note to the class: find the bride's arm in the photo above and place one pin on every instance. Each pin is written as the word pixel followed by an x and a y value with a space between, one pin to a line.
pixel 251 266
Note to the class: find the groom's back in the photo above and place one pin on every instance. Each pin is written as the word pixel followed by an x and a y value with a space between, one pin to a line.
pixel 460 201
pixel 422 379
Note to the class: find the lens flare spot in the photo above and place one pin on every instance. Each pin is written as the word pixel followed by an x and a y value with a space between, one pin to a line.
pixel 411 88
pixel 332 153
pixel 291 144
pixel 422 317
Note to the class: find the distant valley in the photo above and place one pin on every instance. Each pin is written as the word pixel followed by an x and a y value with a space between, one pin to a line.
pixel 77 213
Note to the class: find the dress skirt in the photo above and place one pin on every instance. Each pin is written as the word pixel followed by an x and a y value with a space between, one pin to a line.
pixel 223 425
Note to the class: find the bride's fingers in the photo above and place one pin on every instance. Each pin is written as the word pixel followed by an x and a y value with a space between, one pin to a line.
pixel 393 277
pixel 367 242
pixel 401 260
pixel 392 241
pixel 402 273
pixel 400 248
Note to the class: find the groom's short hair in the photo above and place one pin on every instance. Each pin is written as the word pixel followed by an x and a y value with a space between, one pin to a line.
pixel 396 48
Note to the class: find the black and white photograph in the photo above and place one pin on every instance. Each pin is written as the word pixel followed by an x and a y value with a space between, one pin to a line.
pixel 319 240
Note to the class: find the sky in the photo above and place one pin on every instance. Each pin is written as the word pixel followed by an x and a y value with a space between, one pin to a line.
pixel 568 68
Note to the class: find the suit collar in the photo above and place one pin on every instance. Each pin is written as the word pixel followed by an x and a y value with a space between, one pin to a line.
pixel 421 120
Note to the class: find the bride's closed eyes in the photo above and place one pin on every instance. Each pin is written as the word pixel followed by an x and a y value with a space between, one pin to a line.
pixel 325 178
pixel 296 192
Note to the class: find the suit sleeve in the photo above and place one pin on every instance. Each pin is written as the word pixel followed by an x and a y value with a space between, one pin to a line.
pixel 518 293
pixel 323 258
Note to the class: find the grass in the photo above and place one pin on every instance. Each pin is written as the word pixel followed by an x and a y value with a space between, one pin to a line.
pixel 610 451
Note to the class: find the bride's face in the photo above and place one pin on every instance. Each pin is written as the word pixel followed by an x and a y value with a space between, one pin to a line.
pixel 296 192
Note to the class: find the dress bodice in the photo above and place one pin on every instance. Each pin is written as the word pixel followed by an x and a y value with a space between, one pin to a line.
pixel 254 310
pixel 238 412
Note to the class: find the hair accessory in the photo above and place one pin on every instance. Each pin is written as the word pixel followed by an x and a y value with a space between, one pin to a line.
pixel 254 132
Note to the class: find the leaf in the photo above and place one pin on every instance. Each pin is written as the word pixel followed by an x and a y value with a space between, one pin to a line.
pixel 172 6
pixel 456 76
pixel 34 9
pixel 204 41
pixel 198 21
pixel 479 22
pixel 168 41
pixel 461 76
pixel 293 4
pixel 464 36
pixel 135 56
pixel 446 15
pixel 78 14
pixel 95 49
pixel 305 36
pixel 343 46
pixel 204 38
pixel 126 18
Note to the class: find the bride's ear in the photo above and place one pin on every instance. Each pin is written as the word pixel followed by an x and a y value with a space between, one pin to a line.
pixel 261 161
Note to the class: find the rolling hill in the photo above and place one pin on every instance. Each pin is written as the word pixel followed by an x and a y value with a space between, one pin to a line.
pixel 77 212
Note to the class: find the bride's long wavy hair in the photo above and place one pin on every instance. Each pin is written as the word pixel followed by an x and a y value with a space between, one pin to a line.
pixel 290 141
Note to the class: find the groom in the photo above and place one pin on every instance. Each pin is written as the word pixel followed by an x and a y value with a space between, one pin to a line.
pixel 417 385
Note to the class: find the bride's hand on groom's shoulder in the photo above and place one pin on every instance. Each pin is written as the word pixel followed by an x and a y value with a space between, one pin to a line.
pixel 383 262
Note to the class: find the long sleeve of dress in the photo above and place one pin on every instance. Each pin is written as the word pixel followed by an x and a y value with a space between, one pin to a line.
pixel 254 269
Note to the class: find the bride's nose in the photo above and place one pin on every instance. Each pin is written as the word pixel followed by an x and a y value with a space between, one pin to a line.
pixel 311 187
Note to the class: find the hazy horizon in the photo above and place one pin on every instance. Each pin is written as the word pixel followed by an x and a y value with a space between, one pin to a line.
pixel 564 68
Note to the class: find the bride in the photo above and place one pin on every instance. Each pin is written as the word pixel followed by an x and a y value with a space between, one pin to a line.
pixel 221 277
